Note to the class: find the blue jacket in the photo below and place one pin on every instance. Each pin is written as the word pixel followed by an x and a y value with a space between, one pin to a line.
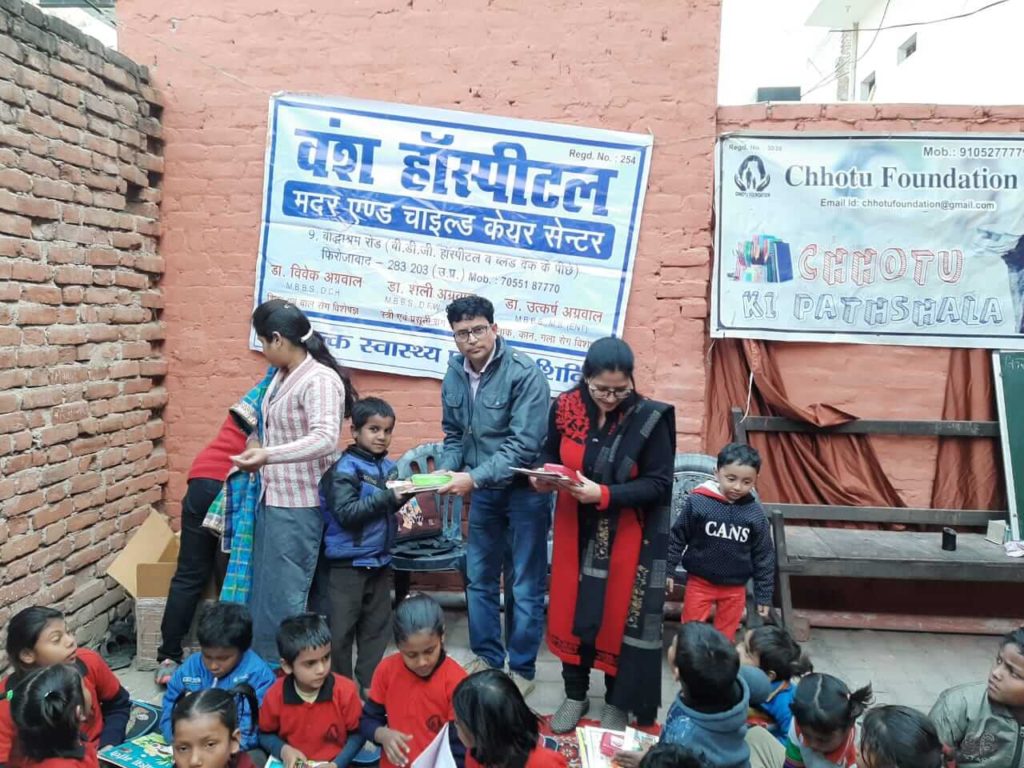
pixel 503 426
pixel 718 736
pixel 779 706
pixel 358 509
pixel 191 676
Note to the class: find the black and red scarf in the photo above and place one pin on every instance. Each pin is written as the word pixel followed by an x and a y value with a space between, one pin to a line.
pixel 637 664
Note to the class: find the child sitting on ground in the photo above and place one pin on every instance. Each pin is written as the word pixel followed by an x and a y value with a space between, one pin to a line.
pixel 823 731
pixel 205 725
pixel 709 716
pixel 38 638
pixel 497 727
pixel 982 722
pixel 899 737
pixel 312 714
pixel 774 651
pixel 50 707
pixel 722 538
pixel 359 515
pixel 410 697
pixel 225 660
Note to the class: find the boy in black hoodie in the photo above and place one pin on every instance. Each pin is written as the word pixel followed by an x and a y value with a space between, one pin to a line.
pixel 723 539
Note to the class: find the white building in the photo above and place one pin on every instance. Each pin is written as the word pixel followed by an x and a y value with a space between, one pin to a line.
pixel 93 17
pixel 910 51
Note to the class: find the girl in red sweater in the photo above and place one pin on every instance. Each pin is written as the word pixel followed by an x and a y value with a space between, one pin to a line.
pixel 497 727
pixel 38 638
pixel 205 728
pixel 50 708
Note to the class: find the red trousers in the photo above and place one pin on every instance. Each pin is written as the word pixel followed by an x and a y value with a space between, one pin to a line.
pixel 728 602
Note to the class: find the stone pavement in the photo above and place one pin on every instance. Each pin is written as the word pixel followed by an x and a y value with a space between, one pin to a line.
pixel 903 668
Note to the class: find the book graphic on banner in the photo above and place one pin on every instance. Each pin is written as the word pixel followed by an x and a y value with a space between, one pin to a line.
pixel 763 259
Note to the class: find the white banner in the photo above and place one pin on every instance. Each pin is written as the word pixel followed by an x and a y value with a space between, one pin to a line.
pixel 912 239
pixel 376 216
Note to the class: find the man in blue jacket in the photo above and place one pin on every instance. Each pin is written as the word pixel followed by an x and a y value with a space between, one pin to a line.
pixel 494 413
pixel 225 661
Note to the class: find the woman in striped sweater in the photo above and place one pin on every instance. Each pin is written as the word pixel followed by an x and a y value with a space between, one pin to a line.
pixel 305 404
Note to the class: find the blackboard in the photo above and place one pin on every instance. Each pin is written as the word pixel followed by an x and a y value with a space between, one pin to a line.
pixel 1009 381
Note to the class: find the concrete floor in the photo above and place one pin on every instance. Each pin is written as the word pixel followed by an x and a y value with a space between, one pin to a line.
pixel 903 668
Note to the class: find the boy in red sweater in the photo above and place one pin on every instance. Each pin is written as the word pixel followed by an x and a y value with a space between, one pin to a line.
pixel 311 715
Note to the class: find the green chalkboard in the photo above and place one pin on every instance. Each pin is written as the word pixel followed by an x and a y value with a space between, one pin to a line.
pixel 1009 380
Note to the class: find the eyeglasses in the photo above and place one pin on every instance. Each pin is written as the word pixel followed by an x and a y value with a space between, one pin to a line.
pixel 477 332
pixel 619 393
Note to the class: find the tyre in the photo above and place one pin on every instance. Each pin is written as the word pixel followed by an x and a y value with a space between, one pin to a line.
pixel 691 469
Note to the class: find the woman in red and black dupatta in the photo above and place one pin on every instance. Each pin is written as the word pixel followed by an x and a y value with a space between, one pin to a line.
pixel 610 539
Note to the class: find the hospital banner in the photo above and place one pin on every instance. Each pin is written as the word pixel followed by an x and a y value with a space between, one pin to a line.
pixel 902 239
pixel 377 216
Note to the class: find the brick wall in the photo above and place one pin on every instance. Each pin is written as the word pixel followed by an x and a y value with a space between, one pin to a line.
pixel 81 366
pixel 631 65
pixel 859 378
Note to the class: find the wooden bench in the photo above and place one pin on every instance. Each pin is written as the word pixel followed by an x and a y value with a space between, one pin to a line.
pixel 849 552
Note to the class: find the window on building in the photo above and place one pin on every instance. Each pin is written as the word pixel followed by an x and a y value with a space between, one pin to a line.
pixel 867 88
pixel 906 50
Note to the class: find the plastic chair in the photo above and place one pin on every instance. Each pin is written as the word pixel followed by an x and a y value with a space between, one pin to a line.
pixel 438 551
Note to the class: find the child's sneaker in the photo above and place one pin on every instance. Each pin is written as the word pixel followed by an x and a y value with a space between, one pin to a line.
pixel 165 672
pixel 368 755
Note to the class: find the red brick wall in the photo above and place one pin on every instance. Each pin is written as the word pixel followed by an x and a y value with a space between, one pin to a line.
pixel 637 65
pixel 81 370
pixel 874 381
pixel 633 65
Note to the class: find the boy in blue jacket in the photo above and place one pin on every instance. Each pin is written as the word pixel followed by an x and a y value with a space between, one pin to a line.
pixel 225 661
pixel 360 527
pixel 709 716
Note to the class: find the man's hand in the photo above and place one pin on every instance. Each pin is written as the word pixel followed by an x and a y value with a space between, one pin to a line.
pixel 670 584
pixel 250 459
pixel 394 743
pixel 290 756
pixel 460 484
pixel 586 492
pixel 764 611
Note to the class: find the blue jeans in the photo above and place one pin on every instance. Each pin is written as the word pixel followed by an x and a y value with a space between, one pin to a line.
pixel 286 544
pixel 519 519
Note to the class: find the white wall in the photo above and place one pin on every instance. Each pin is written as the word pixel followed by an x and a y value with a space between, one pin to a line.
pixel 975 60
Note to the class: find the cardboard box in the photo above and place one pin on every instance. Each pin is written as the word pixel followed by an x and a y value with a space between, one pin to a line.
pixel 145 568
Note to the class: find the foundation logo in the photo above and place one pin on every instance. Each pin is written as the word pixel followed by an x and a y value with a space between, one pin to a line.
pixel 752 178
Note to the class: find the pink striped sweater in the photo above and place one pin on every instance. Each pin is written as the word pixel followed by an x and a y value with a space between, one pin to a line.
pixel 302 414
